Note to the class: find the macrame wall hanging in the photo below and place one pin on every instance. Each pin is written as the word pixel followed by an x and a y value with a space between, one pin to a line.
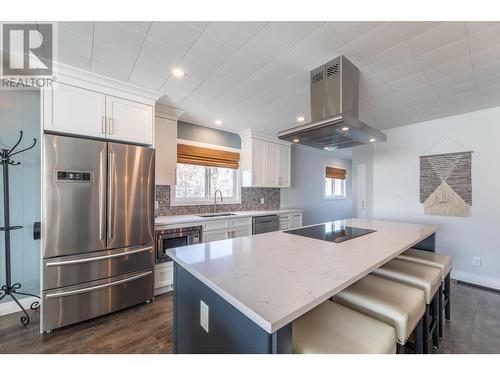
pixel 446 182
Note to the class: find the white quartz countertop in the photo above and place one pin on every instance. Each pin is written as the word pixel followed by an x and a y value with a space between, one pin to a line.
pixel 273 278
pixel 182 219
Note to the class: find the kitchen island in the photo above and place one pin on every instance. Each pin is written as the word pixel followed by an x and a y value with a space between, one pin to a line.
pixel 241 295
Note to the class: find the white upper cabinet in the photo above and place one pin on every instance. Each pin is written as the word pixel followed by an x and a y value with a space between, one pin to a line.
pixel 264 163
pixel 259 170
pixel 272 155
pixel 166 151
pixel 284 156
pixel 129 121
pixel 73 110
pixel 88 111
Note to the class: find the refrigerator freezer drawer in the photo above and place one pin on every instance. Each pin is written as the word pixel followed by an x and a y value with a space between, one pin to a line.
pixel 65 306
pixel 76 269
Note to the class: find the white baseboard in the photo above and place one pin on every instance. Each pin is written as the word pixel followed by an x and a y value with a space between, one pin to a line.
pixel 11 307
pixel 163 290
pixel 475 279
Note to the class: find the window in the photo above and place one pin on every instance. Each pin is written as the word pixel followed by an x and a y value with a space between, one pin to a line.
pixel 334 188
pixel 201 171
pixel 335 183
pixel 196 184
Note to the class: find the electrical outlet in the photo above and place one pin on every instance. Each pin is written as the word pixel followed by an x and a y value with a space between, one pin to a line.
pixel 262 201
pixel 204 315
pixel 156 205
pixel 476 261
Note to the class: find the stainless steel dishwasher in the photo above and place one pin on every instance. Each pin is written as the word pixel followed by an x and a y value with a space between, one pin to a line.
pixel 264 224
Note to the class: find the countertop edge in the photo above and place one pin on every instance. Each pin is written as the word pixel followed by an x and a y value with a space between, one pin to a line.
pixel 245 310
pixel 182 219
pixel 273 327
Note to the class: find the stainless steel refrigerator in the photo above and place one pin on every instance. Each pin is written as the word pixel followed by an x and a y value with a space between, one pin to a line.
pixel 97 228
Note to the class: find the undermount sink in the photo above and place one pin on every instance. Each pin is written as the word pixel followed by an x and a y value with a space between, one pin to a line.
pixel 216 215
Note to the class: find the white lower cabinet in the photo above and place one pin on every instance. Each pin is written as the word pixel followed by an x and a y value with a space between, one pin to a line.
pixel 241 232
pixel 296 220
pixel 164 277
pixel 216 235
pixel 291 220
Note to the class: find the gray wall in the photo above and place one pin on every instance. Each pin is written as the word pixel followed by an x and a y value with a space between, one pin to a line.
pixel 396 188
pixel 308 181
pixel 203 134
pixel 19 110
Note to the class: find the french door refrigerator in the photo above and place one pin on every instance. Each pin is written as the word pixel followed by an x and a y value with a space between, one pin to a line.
pixel 97 228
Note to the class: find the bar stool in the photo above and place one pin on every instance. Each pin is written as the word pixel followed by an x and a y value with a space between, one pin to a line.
pixel 396 304
pixel 443 262
pixel 331 328
pixel 425 278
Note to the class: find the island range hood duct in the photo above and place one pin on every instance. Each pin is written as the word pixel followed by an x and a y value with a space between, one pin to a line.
pixel 334 110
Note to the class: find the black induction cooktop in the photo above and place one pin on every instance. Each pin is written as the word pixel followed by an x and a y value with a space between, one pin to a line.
pixel 333 232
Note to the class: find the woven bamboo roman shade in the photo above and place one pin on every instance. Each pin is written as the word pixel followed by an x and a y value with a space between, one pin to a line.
pixel 332 172
pixel 207 156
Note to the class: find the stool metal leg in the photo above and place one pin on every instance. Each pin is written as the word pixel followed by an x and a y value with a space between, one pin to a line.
pixel 400 348
pixel 419 337
pixel 447 294
pixel 427 328
pixel 441 308
pixel 435 320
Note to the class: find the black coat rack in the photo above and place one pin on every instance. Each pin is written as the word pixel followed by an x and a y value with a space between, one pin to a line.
pixel 10 289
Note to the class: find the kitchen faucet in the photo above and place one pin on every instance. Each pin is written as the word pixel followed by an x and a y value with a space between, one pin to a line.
pixel 215 199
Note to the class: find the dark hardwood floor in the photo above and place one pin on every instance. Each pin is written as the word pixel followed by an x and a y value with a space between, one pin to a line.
pixel 147 328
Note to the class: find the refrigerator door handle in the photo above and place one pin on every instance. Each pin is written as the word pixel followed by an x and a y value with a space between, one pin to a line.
pixel 111 162
pixel 93 259
pixel 97 287
pixel 102 197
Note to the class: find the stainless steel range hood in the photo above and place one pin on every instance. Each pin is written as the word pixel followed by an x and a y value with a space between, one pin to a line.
pixel 334 110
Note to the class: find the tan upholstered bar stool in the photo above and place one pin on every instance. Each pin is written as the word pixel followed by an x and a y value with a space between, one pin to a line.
pixel 396 304
pixel 331 328
pixel 443 262
pixel 426 278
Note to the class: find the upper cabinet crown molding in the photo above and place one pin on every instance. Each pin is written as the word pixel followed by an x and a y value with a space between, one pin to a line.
pixel 249 133
pixel 96 82
pixel 165 111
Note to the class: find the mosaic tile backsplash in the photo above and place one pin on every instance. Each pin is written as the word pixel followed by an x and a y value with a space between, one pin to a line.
pixel 250 201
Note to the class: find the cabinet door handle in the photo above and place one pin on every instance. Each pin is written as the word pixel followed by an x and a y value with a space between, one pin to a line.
pixel 103 124
pixel 110 125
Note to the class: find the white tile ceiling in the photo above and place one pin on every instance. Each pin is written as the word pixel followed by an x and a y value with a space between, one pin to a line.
pixel 256 74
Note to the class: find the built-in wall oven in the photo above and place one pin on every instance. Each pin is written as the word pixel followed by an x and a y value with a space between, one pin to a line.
pixel 175 237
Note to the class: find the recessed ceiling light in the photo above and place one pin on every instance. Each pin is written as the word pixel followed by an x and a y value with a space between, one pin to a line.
pixel 218 122
pixel 296 140
pixel 372 140
pixel 326 148
pixel 300 119
pixel 179 73
pixel 345 128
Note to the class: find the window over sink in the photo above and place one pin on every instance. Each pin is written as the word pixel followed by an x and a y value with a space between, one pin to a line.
pixel 196 184
pixel 201 171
